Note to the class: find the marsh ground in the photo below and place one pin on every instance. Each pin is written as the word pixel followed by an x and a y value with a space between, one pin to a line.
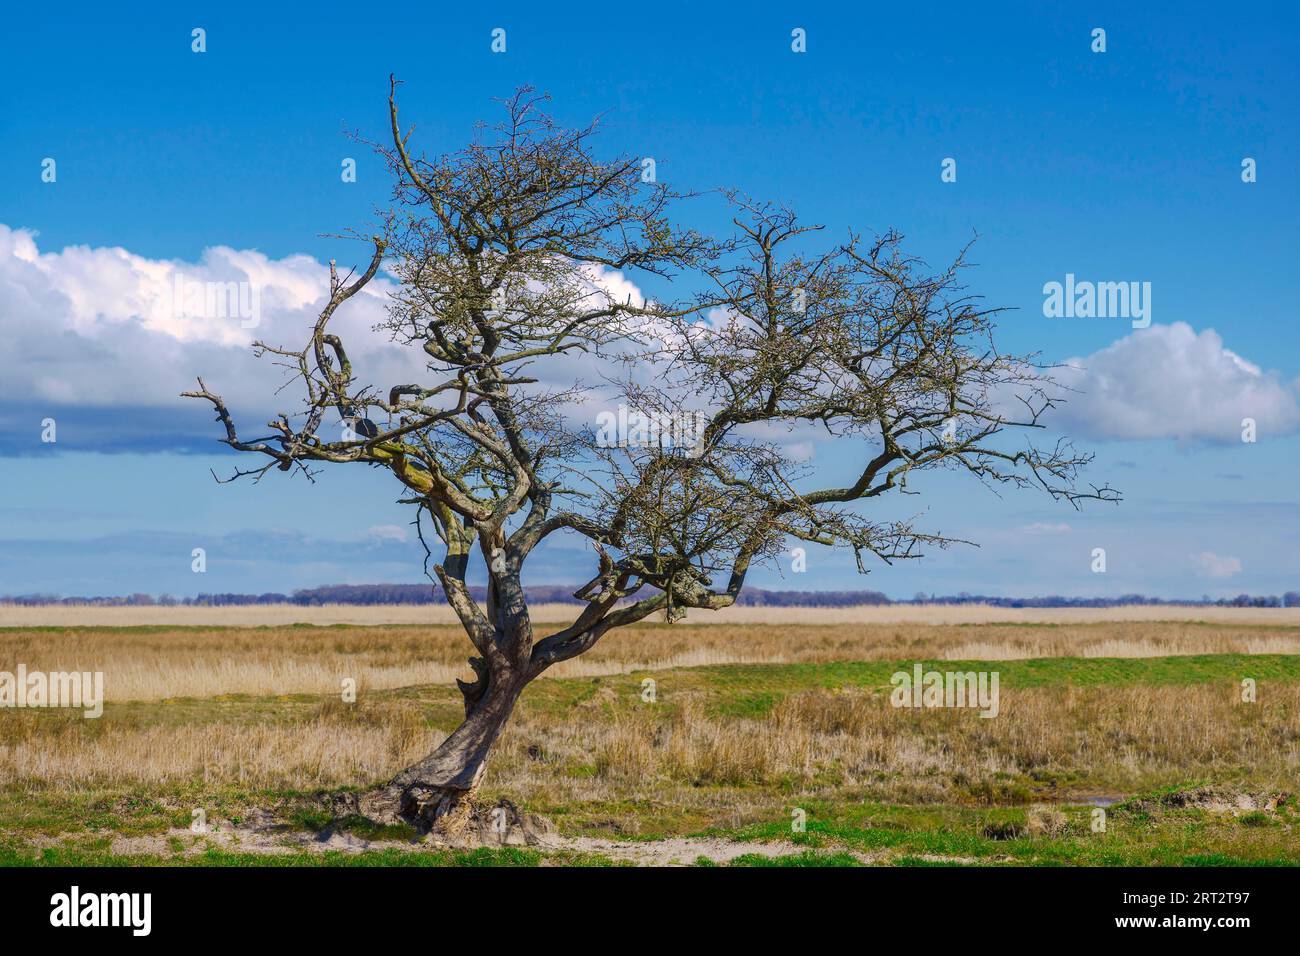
pixel 751 726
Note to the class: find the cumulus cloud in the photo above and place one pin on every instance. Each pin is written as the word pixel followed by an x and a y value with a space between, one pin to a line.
pixel 102 332
pixel 108 339
pixel 1169 381
pixel 1210 565
pixel 105 327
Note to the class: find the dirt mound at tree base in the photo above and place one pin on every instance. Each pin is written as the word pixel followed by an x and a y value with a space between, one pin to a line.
pixel 471 826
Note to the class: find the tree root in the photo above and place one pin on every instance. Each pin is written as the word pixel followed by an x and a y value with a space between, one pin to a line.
pixel 443 815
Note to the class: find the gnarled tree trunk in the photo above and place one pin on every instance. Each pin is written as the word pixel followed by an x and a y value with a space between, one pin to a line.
pixel 426 792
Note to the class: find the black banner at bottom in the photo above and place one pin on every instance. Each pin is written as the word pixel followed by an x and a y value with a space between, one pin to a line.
pixel 337 905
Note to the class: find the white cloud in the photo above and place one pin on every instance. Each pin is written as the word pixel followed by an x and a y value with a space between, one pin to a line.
pixel 1210 565
pixel 387 532
pixel 103 327
pixel 1168 381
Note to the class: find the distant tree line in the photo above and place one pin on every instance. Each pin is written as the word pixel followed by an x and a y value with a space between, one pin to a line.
pixel 1289 599
pixel 389 594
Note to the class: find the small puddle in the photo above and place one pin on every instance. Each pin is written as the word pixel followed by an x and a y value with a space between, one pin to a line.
pixel 1094 800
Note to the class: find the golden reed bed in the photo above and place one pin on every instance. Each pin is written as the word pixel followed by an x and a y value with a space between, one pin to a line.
pixel 1125 736
pixel 272 615
pixel 173 662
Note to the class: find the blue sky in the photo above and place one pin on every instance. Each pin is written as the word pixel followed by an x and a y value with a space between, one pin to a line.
pixel 1115 166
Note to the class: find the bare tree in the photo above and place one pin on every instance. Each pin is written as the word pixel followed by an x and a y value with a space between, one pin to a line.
pixel 502 253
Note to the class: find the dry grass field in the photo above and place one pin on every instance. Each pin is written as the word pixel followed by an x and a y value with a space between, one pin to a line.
pixel 749 721
pixel 157 661
pixel 273 615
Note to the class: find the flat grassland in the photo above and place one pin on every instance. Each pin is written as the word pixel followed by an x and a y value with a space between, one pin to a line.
pixel 758 719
